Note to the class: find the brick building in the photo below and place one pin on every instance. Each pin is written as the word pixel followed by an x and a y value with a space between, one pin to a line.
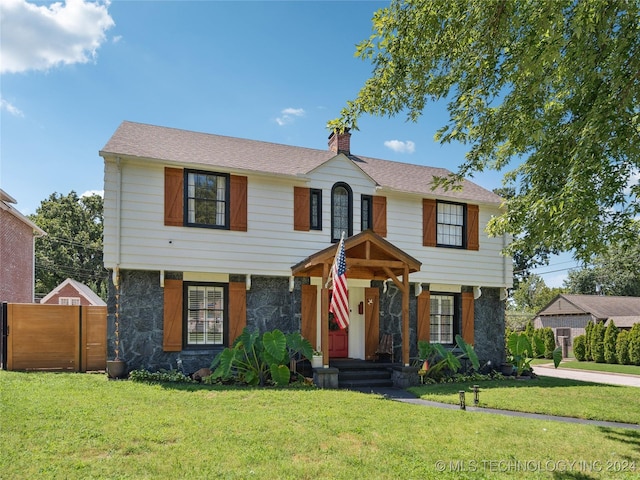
pixel 17 264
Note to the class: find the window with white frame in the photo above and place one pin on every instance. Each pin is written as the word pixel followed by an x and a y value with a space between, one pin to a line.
pixel 207 199
pixel 68 300
pixel 450 225
pixel 205 316
pixel 442 318
pixel 341 211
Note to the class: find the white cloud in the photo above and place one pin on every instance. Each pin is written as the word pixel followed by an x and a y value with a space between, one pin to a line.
pixel 9 107
pixel 40 37
pixel 400 146
pixel 289 115
pixel 89 193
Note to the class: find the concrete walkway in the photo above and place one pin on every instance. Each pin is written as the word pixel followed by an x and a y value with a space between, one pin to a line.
pixel 400 395
pixel 587 376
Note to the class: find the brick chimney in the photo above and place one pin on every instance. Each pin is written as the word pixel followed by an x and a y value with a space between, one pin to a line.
pixel 340 142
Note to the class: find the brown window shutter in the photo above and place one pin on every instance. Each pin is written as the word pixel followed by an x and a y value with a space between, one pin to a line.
pixel 173 197
pixel 172 328
pixel 309 313
pixel 467 317
pixel 380 215
pixel 424 316
pixel 238 200
pixel 301 208
pixel 429 222
pixel 473 223
pixel 237 309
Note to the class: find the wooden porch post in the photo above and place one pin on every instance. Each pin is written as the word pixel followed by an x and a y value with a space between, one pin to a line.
pixel 324 317
pixel 405 317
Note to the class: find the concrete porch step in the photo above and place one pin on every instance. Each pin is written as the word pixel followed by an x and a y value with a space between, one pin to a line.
pixel 354 373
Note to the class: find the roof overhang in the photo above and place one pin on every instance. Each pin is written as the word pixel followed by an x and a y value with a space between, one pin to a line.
pixel 368 255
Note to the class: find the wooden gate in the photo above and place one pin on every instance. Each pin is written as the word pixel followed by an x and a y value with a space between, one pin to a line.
pixel 54 337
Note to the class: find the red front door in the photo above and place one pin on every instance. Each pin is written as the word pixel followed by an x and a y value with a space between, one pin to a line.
pixel 338 343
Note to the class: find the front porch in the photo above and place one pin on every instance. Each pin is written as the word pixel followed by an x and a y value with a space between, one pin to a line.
pixel 369 257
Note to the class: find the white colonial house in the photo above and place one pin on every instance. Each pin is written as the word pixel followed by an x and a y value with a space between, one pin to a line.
pixel 207 234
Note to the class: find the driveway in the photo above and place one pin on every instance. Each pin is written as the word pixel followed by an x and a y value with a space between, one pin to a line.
pixel 587 376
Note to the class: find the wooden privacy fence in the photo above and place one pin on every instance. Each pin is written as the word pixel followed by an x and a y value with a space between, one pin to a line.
pixel 53 337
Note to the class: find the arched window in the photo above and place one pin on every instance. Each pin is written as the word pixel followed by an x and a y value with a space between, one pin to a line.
pixel 341 211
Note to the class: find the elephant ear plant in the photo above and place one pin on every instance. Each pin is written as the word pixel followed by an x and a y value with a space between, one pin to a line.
pixel 439 359
pixel 521 351
pixel 257 359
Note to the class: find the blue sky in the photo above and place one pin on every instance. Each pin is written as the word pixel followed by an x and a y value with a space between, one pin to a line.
pixel 266 70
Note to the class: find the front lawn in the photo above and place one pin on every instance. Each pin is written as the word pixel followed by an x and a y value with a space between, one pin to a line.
pixel 602 367
pixel 84 426
pixel 552 396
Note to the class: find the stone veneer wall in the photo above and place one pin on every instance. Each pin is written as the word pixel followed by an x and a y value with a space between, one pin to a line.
pixel 489 322
pixel 489 325
pixel 391 318
pixel 270 305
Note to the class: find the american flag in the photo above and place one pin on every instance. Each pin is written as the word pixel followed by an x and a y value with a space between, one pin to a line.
pixel 340 298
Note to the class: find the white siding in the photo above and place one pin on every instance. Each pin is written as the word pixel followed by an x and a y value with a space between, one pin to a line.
pixel 271 246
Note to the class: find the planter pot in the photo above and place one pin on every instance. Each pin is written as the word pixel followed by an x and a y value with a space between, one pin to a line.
pixel 316 361
pixel 507 369
pixel 116 369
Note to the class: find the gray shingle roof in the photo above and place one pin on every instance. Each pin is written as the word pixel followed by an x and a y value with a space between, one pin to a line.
pixel 182 146
pixel 602 307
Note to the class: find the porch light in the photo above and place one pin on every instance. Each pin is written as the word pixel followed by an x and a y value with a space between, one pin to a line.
pixel 248 281
pixel 291 283
pixel 418 289
pixel 463 405
pixel 477 292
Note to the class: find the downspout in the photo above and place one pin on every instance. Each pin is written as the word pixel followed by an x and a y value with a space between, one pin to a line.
pixel 505 269
pixel 116 270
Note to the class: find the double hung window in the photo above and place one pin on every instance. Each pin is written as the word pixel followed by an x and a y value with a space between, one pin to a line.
pixel 206 314
pixel 207 199
pixel 442 318
pixel 450 225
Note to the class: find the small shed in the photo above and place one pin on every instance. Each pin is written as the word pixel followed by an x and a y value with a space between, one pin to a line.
pixel 568 315
pixel 72 292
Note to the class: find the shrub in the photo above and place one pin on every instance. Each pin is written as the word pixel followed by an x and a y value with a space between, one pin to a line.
pixel 159 376
pixel 597 343
pixel 634 344
pixel 580 348
pixel 622 348
pixel 549 340
pixel 587 343
pixel 610 337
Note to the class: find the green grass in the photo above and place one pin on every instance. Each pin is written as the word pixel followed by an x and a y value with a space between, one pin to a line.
pixel 79 426
pixel 602 367
pixel 552 396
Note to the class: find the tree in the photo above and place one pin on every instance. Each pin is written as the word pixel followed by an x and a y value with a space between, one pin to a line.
pixel 532 295
pixel 610 339
pixel 73 244
pixel 615 272
pixel 547 91
pixel 597 342
pixel 634 344
pixel 622 348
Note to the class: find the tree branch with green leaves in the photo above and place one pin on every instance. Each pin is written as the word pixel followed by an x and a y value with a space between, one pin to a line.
pixel 546 91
